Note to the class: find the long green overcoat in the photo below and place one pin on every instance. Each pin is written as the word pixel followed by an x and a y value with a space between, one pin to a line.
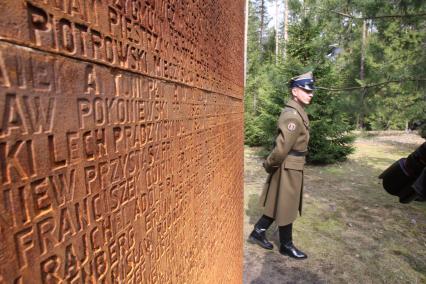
pixel 282 193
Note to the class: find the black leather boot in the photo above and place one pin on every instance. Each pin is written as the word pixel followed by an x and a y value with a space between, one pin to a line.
pixel 258 236
pixel 290 250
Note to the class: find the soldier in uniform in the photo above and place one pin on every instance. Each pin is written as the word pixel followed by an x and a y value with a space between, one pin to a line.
pixel 282 194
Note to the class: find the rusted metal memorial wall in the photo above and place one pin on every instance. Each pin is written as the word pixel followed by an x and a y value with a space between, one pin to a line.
pixel 121 141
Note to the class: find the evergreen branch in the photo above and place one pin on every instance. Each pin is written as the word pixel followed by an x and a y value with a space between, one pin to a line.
pixel 339 13
pixel 370 86
pixel 373 17
pixel 394 16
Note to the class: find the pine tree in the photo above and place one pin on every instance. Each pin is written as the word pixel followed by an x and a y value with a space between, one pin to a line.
pixel 371 74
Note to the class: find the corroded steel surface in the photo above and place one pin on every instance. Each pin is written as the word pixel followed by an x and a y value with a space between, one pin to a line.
pixel 121 141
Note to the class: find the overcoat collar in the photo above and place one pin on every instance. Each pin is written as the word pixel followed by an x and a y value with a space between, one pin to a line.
pixel 293 104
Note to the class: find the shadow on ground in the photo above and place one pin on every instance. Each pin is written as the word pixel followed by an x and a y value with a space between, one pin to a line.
pixel 274 270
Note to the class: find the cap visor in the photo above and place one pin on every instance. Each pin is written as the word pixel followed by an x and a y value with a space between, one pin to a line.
pixel 307 88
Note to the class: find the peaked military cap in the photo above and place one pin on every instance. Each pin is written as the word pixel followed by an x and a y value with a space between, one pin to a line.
pixel 304 81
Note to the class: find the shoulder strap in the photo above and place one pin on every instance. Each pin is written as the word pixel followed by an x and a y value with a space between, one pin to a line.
pixel 292 109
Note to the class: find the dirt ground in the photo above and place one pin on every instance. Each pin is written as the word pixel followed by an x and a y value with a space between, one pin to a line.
pixel 351 229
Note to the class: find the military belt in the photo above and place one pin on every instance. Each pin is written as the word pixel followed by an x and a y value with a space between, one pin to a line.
pixel 297 153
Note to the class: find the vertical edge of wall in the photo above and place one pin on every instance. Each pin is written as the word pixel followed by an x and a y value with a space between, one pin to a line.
pixel 121 141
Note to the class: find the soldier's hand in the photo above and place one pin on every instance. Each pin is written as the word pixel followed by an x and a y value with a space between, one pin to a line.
pixel 269 169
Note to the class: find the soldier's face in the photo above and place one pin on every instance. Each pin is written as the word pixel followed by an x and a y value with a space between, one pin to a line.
pixel 302 96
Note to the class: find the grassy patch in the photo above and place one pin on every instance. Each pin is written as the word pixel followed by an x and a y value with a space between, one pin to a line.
pixel 352 230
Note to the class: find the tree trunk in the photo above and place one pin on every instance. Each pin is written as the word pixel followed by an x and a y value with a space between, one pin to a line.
pixel 255 103
pixel 285 28
pixel 262 20
pixel 276 32
pixel 360 119
pixel 364 31
pixel 262 24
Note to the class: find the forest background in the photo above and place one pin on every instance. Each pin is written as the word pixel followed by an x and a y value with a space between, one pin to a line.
pixel 368 58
